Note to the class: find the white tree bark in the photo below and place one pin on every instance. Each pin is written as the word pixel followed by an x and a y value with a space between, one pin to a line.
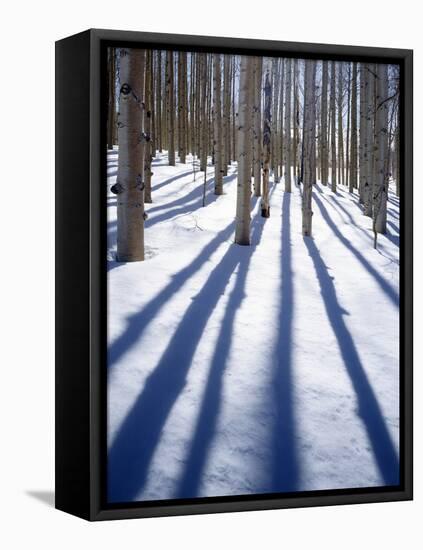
pixel 274 155
pixel 203 117
pixel 182 134
pixel 397 156
pixel 265 206
pixel 257 152
pixel 309 137
pixel 287 127
pixel 245 122
pixel 369 142
pixel 333 124
pixel 130 177
pixel 324 125
pixel 217 117
pixel 296 121
pixel 148 125
pixel 353 160
pixel 347 147
pixel 111 119
pixel 170 108
pixel 226 138
pixel 362 129
pixel 159 93
pixel 340 126
pixel 380 187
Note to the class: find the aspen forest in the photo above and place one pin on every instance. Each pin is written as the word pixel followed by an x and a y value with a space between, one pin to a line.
pixel 253 274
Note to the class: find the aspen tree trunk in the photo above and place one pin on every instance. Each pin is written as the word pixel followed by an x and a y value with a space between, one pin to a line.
pixel 390 144
pixel 191 100
pixel 243 199
pixel 181 114
pixel 380 187
pixel 188 61
pixel 164 103
pixel 296 119
pixel 226 114
pixel 116 103
pixel 197 107
pixel 111 119
pixel 184 125
pixel 340 127
pixel 347 149
pixel 251 96
pixel 276 101
pixel 175 92
pixel 186 104
pixel 333 124
pixel 318 131
pixel 287 125
pixel 201 84
pixel 153 80
pixel 159 93
pixel 397 156
pixel 229 99
pixel 369 142
pixel 130 185
pixel 257 152
pixel 353 160
pixel 265 207
pixel 274 120
pixel 282 108
pixel 170 108
pixel 210 147
pixel 328 139
pixel 234 115
pixel 363 130
pixel 309 157
pixel 147 124
pixel 217 117
pixel 204 118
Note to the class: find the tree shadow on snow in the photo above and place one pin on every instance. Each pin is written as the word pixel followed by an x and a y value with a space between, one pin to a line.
pixel 384 285
pixel 393 213
pixel 393 225
pixel 210 407
pixel 195 195
pixel 367 232
pixel 137 322
pixel 131 453
pixel 368 406
pixel 285 461
pixel 169 180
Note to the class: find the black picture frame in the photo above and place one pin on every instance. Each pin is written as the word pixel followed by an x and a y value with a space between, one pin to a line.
pixel 81 274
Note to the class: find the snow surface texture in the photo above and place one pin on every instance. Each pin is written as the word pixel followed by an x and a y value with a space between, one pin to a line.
pixel 235 370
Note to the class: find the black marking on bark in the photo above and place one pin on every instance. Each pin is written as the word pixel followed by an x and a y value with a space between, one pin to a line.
pixel 139 184
pixel 143 137
pixel 125 89
pixel 117 188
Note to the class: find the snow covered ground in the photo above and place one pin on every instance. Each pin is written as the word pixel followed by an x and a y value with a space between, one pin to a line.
pixel 237 370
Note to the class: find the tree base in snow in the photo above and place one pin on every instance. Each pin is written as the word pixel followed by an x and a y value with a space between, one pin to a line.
pixel 265 212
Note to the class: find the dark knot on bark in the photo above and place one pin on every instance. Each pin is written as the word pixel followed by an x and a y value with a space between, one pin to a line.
pixel 117 188
pixel 125 89
pixel 139 184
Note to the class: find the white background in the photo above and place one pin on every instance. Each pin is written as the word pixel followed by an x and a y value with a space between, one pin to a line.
pixel 27 36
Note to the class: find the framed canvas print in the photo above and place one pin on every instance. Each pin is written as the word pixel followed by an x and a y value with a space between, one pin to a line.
pixel 234 274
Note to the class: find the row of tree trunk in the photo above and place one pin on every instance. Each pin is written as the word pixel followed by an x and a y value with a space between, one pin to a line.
pixel 301 121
